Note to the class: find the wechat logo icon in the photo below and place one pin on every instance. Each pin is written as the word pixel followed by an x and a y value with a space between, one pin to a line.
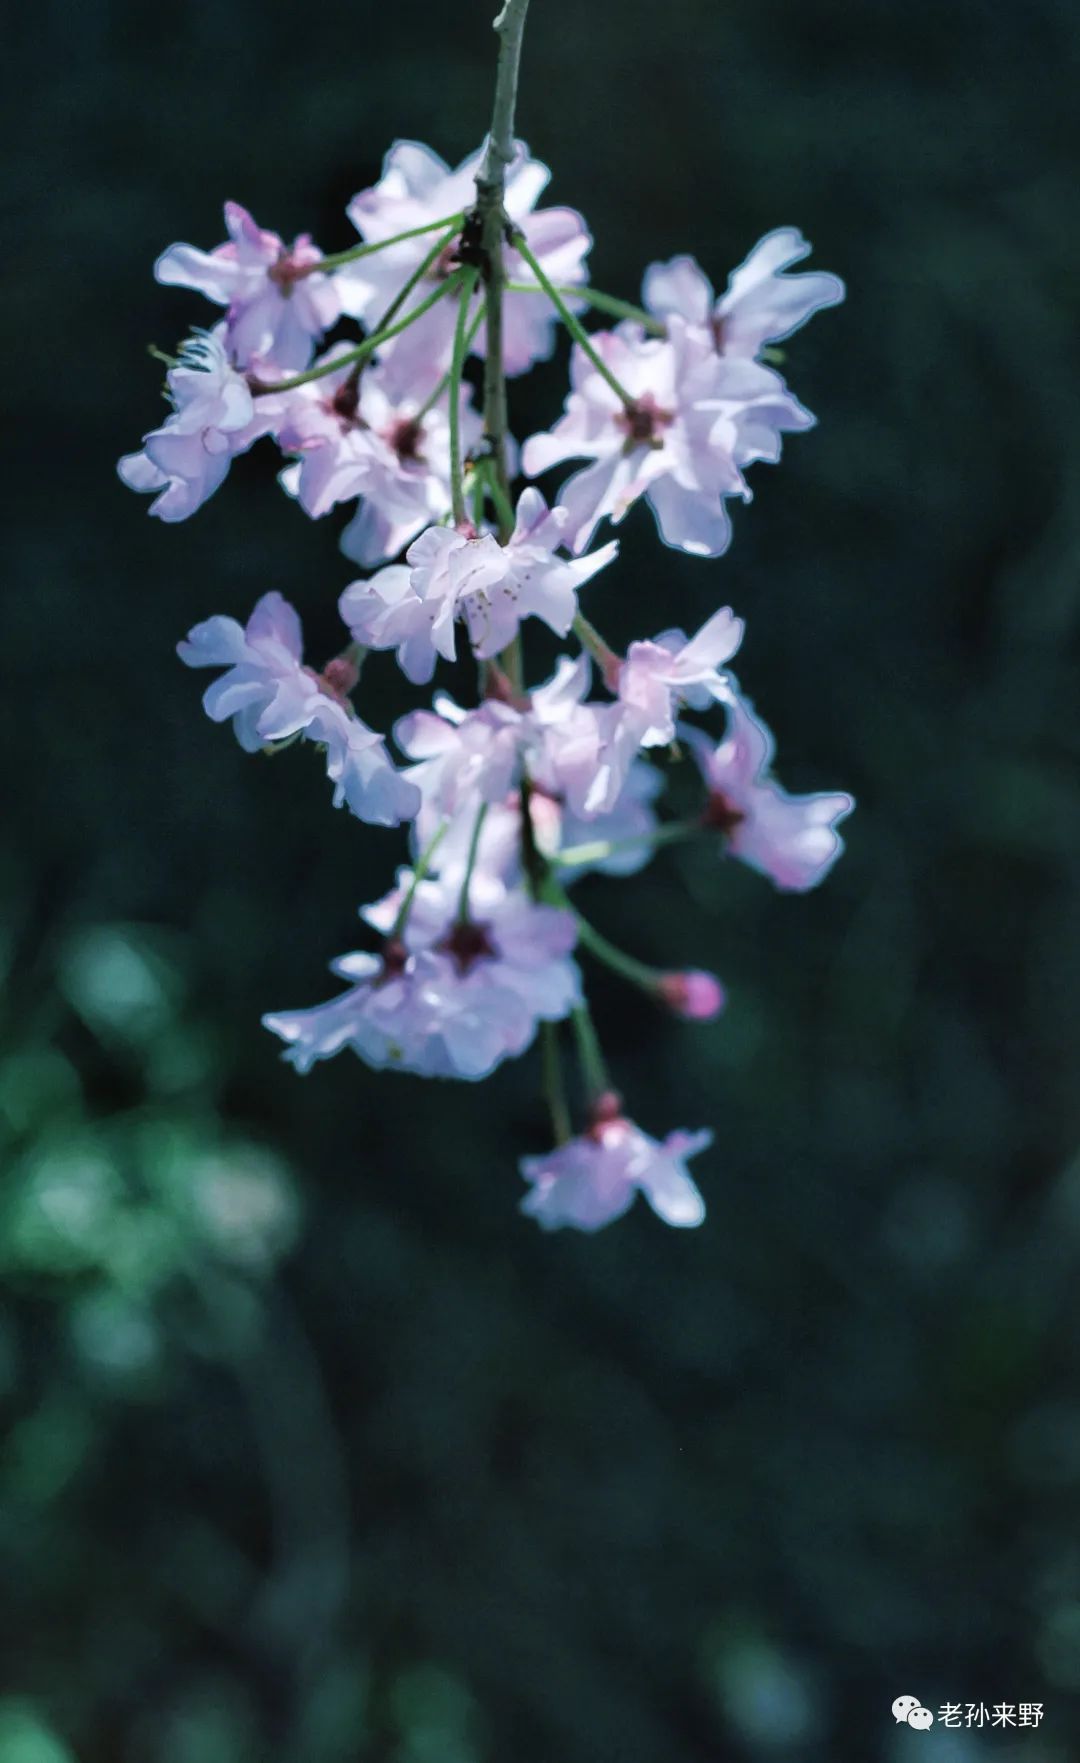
pixel 909 1709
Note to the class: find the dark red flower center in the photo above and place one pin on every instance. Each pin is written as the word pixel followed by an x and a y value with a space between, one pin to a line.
pixel 345 402
pixel 286 272
pixel 405 437
pixel 467 943
pixel 720 814
pixel 394 959
pixel 643 422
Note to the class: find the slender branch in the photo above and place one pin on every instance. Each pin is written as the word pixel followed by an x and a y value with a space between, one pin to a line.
pixel 602 302
pixel 339 258
pixel 573 325
pixel 492 226
pixel 261 387
pixel 457 363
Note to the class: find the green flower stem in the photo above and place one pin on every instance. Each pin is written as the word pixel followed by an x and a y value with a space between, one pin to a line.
pixel 479 494
pixel 577 330
pixel 423 864
pixel 628 967
pixel 589 638
pixel 433 398
pixel 554 1088
pixel 590 1056
pixel 602 302
pixel 504 510
pixel 672 832
pixel 470 864
pixel 339 258
pixel 362 350
pixel 512 663
pixel 457 365
pixel 417 276
pixel 638 973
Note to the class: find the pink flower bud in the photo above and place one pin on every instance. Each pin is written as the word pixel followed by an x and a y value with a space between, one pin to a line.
pixel 697 995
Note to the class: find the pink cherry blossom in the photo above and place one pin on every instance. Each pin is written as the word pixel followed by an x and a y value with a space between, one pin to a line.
pixel 594 1179
pixel 694 420
pixel 277 309
pixel 451 576
pixel 450 996
pixel 467 758
pixel 270 696
pixel 416 188
pixel 462 758
pixel 792 839
pixel 214 417
pixel 653 681
pixel 761 305
pixel 356 434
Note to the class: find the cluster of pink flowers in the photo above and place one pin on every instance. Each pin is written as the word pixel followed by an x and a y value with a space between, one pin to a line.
pixel 356 366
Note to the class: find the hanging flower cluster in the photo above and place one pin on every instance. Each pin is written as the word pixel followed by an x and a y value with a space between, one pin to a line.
pixel 471 955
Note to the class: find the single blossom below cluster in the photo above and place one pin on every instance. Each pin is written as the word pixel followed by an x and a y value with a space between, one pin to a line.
pixel 514 795
pixel 418 188
pixel 450 995
pixel 277 307
pixel 269 695
pixel 594 1179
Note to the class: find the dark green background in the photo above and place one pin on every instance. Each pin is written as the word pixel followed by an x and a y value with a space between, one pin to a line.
pixel 315 1450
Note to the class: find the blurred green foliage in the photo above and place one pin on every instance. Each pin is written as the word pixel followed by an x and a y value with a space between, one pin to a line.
pixel 313 1449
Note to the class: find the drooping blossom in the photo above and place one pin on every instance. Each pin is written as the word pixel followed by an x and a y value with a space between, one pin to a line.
pixel 451 577
pixel 449 996
pixel 356 435
pixel 651 684
pixel 792 839
pixel 416 188
pixel 277 307
pixel 270 696
pixel 214 418
pixel 594 1179
pixel 694 419
pixel 761 304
